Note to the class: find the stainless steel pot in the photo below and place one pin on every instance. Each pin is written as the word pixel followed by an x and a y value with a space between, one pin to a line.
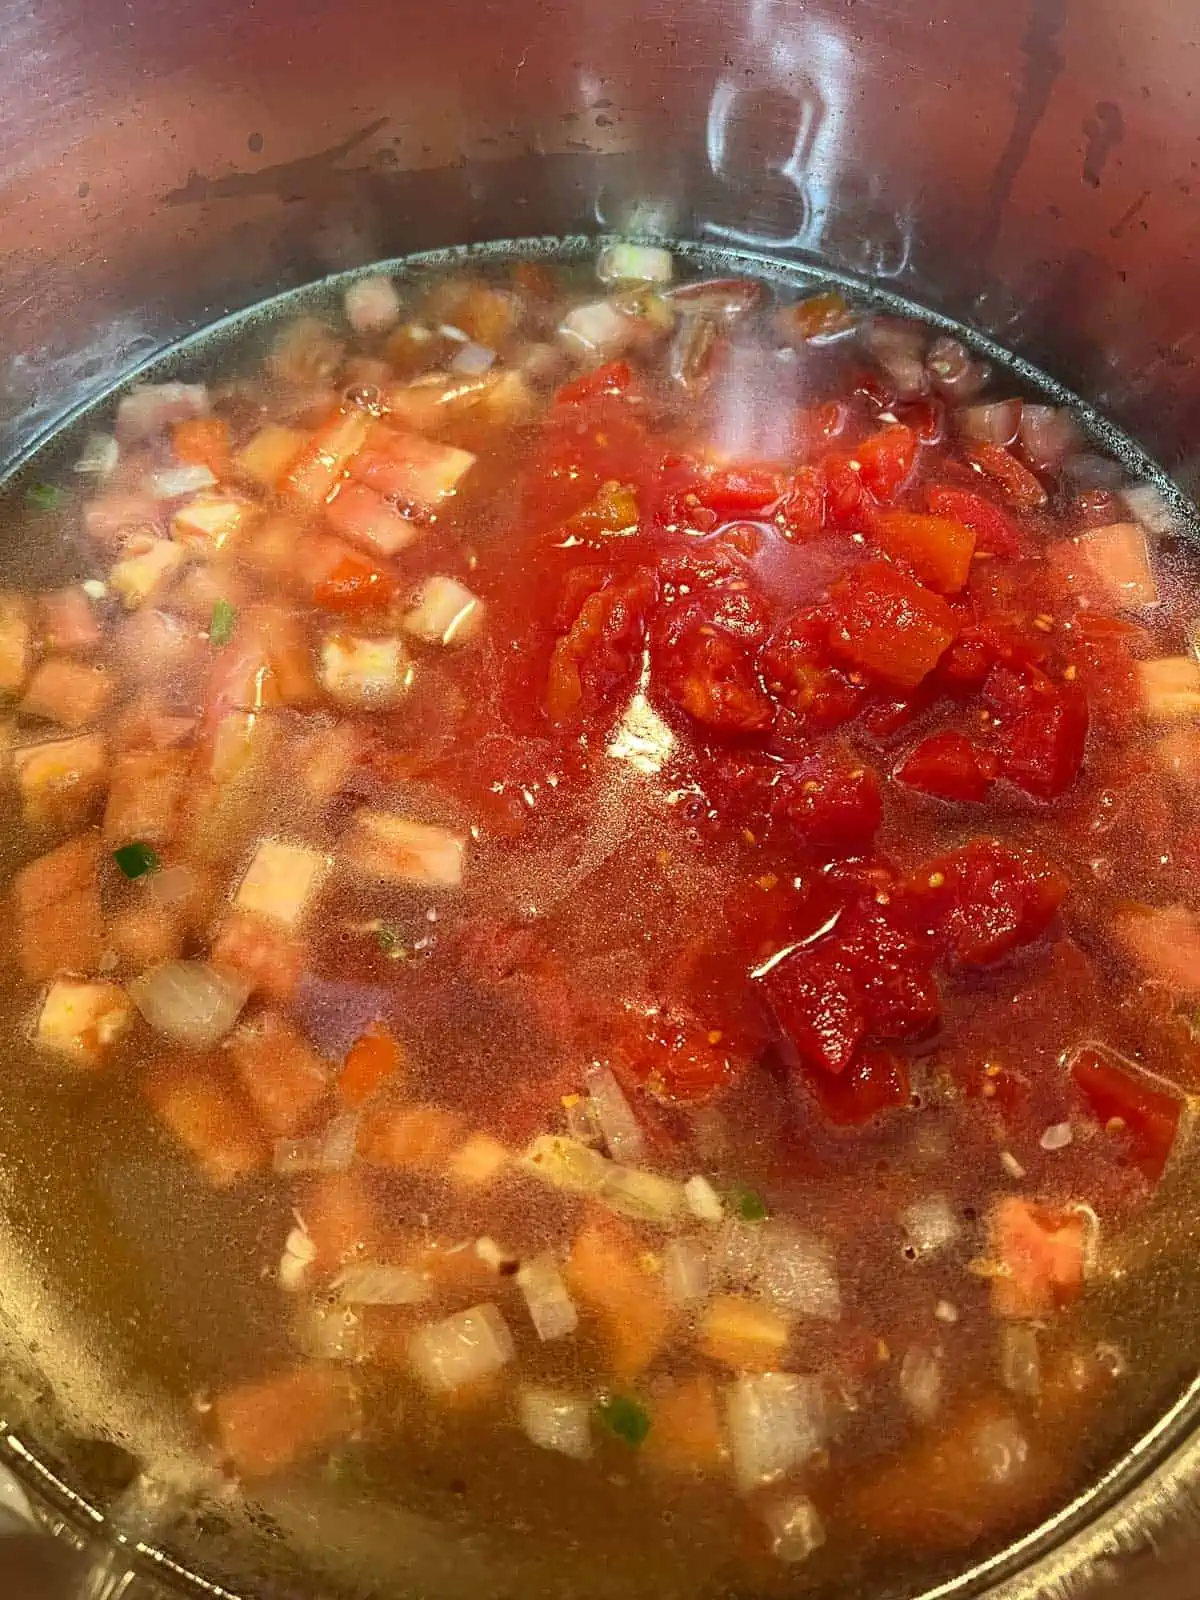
pixel 1027 169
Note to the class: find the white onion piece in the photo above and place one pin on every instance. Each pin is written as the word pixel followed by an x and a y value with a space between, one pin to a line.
pixel 1147 505
pixel 1057 1136
pixel 299 1253
pixel 703 1200
pixel 1020 1359
pixel 172 483
pixel 1047 434
pixel 566 1164
pixel 794 1528
pixel 328 1333
pixel 644 1196
pixel 381 1283
pixel 635 263
pixel 332 1150
pixel 554 1421
pixel 921 1382
pixel 372 305
pixel 461 1349
pixel 685 1270
pixel 582 1122
pixel 1090 471
pixel 1002 1450
pixel 189 1001
pixel 551 1309
pixel 597 331
pixel 100 455
pixel 999 422
pixel 931 1225
pixel 776 1421
pixel 148 408
pixel 472 358
pixel 956 374
pixel 621 1129
pixel 171 886
pixel 796 1273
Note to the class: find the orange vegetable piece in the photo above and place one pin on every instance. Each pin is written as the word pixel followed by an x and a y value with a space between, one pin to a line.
pixel 1042 1253
pixel 341 1219
pixel 203 442
pixel 208 1117
pixel 260 952
pixel 282 1076
pixel 605 1271
pixel 938 549
pixel 56 911
pixel 417 1138
pixel 371 1061
pixel 686 1435
pixel 321 462
pixel 264 1427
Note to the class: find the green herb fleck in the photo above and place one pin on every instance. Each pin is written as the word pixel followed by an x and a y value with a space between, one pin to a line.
pixel 224 620
pixel 748 1204
pixel 136 860
pixel 624 1418
pixel 43 497
pixel 390 942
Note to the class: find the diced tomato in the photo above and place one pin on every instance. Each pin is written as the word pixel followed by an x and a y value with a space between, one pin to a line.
pixel 613 381
pixel 886 461
pixel 818 1008
pixel 1040 1252
pixel 56 911
pixel 938 549
pixel 261 952
pixel 341 1219
pixel 209 1118
pixel 877 1081
pixel 374 1060
pixel 677 1058
pixel 143 934
pixel 831 800
pixel 816 316
pixel 886 624
pixel 802 509
pixel 949 766
pixel 145 796
pixel 266 1426
pixel 711 676
pixel 282 1075
pixel 1021 486
pixel 203 442
pixel 1043 728
pixel 68 624
pixel 994 530
pixel 324 458
pixel 797 670
pixel 365 518
pixel 602 647
pixel 740 491
pixel 1125 1101
pixel 985 899
pixel 339 577
pixel 844 499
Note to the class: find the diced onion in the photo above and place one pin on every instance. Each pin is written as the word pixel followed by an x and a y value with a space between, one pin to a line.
pixel 372 305
pixel 100 455
pixel 173 483
pixel 566 1164
pixel 776 1421
pixel 148 408
pixel 1057 1136
pixel 898 348
pixel 554 1421
pixel 635 263
pixel 189 1001
pixel 582 1122
pixel 551 1309
pixel 171 886
pixel 446 612
pixel 381 1283
pixel 299 1253
pixel 472 359
pixel 1146 504
pixel 931 1225
pixel 1020 1359
pixel 461 1349
pixel 501 1261
pixel 329 1333
pixel 794 1528
pixel 685 1270
pixel 644 1196
pixel 921 1382
pixel 996 423
pixel 703 1200
pixel 795 1271
pixel 332 1150
pixel 621 1129
pixel 1002 1450
pixel 597 330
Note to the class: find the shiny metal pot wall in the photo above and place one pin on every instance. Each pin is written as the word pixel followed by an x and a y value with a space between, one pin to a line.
pixel 1026 168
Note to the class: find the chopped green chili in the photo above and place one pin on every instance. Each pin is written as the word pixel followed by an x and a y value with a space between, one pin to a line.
pixel 624 1418
pixel 224 619
pixel 136 860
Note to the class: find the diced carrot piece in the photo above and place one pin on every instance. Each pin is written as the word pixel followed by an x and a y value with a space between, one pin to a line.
pixel 56 911
pixel 339 577
pixel 67 623
pixel 71 693
pixel 264 954
pixel 889 626
pixel 207 523
pixel 209 1118
pixel 411 1138
pixel 61 780
pixel 1170 687
pixel 282 1075
pixel 16 643
pixel 398 850
pixel 264 1427
pixel 365 518
pixel 606 1272
pixel 373 1060
pixel 203 442
pixel 144 934
pixel 266 457
pixel 1040 1252
pixel 81 1022
pixel 1119 557
pixel 341 1219
pixel 686 1436
pixel 416 472
pixel 1165 943
pixel 745 1334
pixel 145 796
pixel 938 549
pixel 323 461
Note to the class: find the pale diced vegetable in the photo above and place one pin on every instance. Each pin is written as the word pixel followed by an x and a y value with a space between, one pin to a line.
pixel 1119 556
pixel 82 1021
pixel 745 1334
pixel 99 456
pixel 685 1269
pixel 281 880
pixel 644 1196
pixel 635 263
pixel 399 850
pixel 61 779
pixel 325 1332
pixel 332 1150
pixel 794 1528
pixel 776 1421
pixel 210 520
pixel 379 1283
pixel 190 1002
pixel 1170 687
pixel 173 483
pixel 555 1421
pixel 266 457
pixel 461 1349
pixel 146 567
pixel 150 408
pixel 1165 942
pixel 597 331
pixel 296 1262
pixel 367 673
pixel 921 1381
pixel 567 1164
pixel 622 1131
pixel 703 1200
pixel 446 612
pixel 69 692
pixel 372 305
pixel 930 1225
pixel 551 1309
pixel 16 643
pixel 478 1162
pixel 1020 1359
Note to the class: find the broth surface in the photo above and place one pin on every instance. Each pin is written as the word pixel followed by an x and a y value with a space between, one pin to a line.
pixel 602 897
